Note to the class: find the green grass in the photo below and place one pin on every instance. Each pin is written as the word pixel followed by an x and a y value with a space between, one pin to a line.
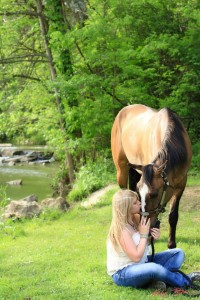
pixel 63 256
pixel 193 179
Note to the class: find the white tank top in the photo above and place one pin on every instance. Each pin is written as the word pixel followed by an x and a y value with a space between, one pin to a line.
pixel 118 260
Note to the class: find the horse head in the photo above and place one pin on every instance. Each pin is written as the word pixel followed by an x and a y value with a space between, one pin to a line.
pixel 151 189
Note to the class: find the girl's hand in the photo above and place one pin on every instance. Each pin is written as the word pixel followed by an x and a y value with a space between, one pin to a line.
pixel 144 225
pixel 155 233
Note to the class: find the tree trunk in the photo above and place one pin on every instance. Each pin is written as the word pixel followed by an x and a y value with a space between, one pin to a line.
pixel 44 30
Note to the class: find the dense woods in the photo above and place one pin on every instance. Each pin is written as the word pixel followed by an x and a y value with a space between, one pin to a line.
pixel 68 66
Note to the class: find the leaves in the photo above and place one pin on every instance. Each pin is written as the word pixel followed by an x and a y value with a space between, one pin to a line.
pixel 118 53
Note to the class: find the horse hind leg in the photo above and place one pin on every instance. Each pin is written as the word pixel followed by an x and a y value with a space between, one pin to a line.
pixel 134 177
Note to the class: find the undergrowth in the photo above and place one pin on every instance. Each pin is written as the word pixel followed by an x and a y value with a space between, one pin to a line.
pixel 90 178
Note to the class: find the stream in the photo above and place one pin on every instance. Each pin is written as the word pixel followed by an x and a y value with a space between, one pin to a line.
pixel 36 179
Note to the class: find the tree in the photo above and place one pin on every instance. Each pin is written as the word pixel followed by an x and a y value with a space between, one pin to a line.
pixel 38 12
pixel 138 52
pixel 107 55
pixel 22 61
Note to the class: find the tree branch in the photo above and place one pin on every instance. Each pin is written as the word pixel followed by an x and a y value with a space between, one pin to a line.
pixel 93 72
pixel 24 58
pixel 27 77
pixel 20 13
pixel 13 61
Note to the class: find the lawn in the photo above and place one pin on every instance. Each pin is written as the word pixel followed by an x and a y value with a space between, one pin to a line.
pixel 63 256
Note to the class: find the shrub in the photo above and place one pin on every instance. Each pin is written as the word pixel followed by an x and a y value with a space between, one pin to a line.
pixel 195 158
pixel 90 178
pixel 4 200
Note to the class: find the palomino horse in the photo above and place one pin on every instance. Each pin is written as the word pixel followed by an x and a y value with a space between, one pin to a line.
pixel 152 149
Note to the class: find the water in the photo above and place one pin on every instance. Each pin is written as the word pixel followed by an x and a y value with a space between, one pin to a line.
pixel 36 179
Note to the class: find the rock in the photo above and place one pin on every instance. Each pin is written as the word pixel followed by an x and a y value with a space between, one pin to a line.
pixel 45 155
pixel 55 203
pixel 40 155
pixel 11 155
pixel 30 198
pixel 6 151
pixel 15 182
pixel 2 159
pixel 22 209
pixel 13 159
pixel 27 158
pixel 32 155
pixel 18 153
pixel 11 163
pixel 52 159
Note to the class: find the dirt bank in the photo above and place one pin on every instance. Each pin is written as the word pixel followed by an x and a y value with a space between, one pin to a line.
pixel 189 202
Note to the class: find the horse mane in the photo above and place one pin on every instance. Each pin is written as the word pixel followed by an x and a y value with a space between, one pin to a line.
pixel 173 147
pixel 148 174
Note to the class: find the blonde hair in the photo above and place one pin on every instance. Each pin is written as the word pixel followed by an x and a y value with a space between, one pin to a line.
pixel 121 215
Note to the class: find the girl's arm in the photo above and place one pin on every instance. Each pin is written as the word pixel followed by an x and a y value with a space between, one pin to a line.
pixel 135 253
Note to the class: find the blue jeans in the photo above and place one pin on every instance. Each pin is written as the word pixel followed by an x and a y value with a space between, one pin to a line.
pixel 140 275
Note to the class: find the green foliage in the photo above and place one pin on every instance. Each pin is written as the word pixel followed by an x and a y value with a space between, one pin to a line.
pixel 196 158
pixel 4 200
pixel 124 52
pixel 135 52
pixel 91 177
pixel 60 183
pixel 49 214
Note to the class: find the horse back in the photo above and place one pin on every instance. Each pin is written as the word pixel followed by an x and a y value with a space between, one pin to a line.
pixel 139 133
pixel 134 129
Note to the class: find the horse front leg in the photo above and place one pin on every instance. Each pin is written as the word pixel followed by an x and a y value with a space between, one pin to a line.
pixel 173 218
pixel 122 175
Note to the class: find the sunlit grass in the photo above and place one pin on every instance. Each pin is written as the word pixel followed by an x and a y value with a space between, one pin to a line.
pixel 65 257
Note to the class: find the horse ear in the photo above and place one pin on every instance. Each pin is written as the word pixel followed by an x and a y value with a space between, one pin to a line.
pixel 160 169
pixel 138 167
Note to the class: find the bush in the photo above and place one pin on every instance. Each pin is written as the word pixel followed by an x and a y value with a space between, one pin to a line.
pixel 90 178
pixel 195 167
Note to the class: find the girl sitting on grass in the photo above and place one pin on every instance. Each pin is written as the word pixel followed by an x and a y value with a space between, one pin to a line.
pixel 128 262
